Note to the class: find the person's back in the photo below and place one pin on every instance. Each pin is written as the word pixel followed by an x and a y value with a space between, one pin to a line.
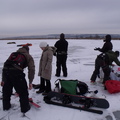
pixel 106 47
pixel 13 76
pixel 62 44
pixel 113 57
pixel 30 62
pixel 62 49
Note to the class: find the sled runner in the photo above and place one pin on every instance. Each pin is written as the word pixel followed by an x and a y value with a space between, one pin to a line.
pixel 33 103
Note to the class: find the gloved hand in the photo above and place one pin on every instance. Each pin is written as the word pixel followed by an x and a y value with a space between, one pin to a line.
pixel 2 83
pixel 54 54
pixel 97 48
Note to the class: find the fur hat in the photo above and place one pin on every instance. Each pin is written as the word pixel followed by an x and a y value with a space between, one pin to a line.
pixel 43 44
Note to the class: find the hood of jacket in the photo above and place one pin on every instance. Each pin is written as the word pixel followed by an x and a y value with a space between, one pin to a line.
pixel 52 48
pixel 22 50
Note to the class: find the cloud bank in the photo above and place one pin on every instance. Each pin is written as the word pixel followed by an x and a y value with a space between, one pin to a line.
pixel 37 17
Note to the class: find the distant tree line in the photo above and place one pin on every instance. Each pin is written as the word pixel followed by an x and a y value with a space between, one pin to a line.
pixel 67 36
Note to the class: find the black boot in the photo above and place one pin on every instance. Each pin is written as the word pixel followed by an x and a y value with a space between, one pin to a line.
pixel 48 87
pixel 42 86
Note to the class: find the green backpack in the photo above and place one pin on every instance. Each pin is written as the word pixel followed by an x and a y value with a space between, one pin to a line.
pixel 73 87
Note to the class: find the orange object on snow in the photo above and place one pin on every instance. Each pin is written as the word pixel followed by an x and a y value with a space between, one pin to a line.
pixel 29 44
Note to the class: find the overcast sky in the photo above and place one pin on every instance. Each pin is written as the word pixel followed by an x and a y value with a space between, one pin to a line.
pixel 40 17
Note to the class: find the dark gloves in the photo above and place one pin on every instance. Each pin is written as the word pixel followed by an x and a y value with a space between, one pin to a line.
pixel 2 83
pixel 97 49
pixel 54 54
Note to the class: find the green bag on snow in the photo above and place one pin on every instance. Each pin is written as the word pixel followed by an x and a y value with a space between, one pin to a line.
pixel 74 87
pixel 68 86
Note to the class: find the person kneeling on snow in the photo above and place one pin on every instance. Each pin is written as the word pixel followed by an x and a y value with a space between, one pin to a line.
pixel 104 61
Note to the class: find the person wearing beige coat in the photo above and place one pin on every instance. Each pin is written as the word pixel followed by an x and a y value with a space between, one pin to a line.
pixel 45 68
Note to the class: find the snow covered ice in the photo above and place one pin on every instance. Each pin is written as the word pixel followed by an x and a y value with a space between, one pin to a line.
pixel 80 64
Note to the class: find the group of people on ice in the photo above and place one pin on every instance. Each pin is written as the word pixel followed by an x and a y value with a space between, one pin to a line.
pixel 105 60
pixel 13 71
pixel 14 76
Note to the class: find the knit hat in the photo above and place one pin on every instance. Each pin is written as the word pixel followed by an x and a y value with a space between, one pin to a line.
pixel 43 44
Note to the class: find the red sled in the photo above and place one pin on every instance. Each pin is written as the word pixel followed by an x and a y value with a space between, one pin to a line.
pixel 28 44
pixel 113 86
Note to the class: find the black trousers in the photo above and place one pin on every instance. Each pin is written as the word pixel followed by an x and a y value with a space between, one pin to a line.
pixel 45 85
pixel 16 79
pixel 61 63
pixel 99 62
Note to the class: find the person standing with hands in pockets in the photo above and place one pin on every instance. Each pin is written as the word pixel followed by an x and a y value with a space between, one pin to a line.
pixel 45 68
pixel 61 55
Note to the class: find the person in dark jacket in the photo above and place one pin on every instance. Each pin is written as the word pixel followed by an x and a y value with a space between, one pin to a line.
pixel 105 61
pixel 13 76
pixel 61 55
pixel 107 45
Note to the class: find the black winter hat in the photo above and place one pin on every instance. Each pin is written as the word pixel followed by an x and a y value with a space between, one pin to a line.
pixel 107 38
pixel 62 36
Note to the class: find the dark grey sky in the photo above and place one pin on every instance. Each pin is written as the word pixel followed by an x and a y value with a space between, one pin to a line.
pixel 38 17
